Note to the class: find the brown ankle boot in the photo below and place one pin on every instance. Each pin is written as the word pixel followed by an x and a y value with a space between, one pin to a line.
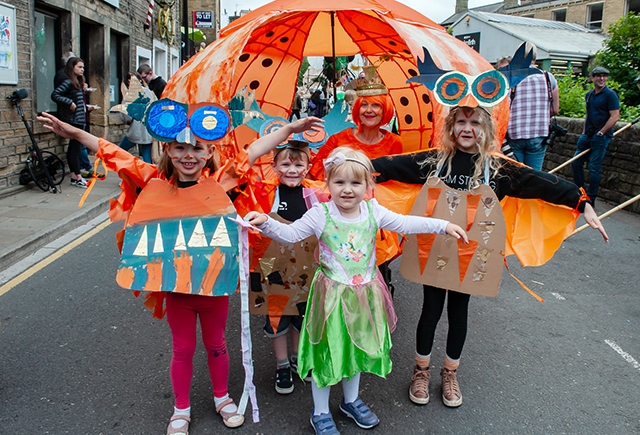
pixel 419 389
pixel 451 395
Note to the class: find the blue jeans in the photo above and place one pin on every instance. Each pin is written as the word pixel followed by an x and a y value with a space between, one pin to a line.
pixel 84 159
pixel 529 151
pixel 143 148
pixel 598 146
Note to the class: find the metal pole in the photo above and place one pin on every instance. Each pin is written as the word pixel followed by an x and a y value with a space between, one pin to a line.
pixel 186 42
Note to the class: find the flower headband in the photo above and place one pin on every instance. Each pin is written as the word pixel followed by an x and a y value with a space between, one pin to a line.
pixel 338 159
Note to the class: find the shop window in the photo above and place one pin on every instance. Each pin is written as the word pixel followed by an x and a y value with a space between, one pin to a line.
pixel 594 15
pixel 633 6
pixel 46 30
pixel 117 42
pixel 559 15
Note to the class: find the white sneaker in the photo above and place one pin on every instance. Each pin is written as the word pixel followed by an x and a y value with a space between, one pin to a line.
pixel 81 183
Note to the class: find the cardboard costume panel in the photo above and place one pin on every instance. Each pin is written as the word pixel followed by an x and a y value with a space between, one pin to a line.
pixel 445 262
pixel 286 272
pixel 181 240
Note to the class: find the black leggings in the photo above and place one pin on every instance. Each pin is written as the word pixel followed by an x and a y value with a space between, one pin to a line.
pixel 457 312
pixel 73 153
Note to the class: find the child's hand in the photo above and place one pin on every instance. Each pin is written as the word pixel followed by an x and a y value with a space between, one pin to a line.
pixel 308 123
pixel 457 232
pixel 593 220
pixel 255 218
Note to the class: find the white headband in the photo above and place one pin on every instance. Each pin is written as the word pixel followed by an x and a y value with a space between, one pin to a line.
pixel 339 158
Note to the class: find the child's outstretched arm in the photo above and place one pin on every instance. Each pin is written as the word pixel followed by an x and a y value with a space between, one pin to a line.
pixel 593 220
pixel 269 142
pixel 65 130
pixel 457 232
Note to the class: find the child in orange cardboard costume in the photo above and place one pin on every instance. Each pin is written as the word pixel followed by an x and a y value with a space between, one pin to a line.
pixel 179 230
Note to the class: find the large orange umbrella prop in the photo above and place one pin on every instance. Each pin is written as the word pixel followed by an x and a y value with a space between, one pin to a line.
pixel 264 49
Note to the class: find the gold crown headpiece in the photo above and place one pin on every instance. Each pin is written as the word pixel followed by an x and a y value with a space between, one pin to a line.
pixel 370 84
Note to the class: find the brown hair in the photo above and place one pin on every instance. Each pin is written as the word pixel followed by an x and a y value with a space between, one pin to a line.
pixel 76 80
pixel 293 154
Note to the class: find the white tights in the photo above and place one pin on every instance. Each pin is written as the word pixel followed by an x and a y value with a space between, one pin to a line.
pixel 350 388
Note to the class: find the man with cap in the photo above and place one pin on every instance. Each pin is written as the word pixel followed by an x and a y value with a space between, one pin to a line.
pixel 603 111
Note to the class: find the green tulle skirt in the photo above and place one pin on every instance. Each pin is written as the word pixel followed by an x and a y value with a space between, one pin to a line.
pixel 326 344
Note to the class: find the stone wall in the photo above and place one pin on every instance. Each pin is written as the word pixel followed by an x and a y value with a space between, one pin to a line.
pixel 620 169
pixel 99 20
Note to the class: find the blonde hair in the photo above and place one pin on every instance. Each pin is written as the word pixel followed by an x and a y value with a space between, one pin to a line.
pixel 357 163
pixel 485 150
pixel 166 166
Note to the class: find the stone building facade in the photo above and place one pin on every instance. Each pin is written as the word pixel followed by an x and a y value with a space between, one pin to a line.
pixel 589 13
pixel 109 35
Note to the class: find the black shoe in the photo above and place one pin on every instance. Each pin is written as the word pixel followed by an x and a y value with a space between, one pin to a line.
pixel 284 381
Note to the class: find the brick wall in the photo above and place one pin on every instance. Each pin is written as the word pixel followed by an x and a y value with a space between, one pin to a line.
pixel 127 21
pixel 620 169
pixel 576 10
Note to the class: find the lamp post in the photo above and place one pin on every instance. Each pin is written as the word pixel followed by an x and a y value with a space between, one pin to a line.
pixel 187 48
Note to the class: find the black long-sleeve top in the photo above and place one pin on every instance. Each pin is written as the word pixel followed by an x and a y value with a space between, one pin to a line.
pixel 64 95
pixel 513 179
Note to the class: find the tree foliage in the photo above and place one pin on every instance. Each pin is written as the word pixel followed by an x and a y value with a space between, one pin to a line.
pixel 620 56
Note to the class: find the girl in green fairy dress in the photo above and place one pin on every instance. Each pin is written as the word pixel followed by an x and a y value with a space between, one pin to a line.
pixel 350 316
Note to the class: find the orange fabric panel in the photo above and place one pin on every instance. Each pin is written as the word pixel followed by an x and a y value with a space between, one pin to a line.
pixel 182 263
pixel 154 275
pixel 465 255
pixel 277 304
pixel 536 229
pixel 472 209
pixel 213 271
pixel 425 243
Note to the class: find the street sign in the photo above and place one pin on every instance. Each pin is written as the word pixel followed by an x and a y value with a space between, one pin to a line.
pixel 471 39
pixel 203 19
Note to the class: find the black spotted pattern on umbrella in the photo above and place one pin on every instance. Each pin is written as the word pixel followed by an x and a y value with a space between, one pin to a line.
pixel 412 72
pixel 404 101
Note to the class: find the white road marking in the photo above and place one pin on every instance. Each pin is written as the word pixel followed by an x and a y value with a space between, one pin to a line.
pixel 623 354
pixel 558 296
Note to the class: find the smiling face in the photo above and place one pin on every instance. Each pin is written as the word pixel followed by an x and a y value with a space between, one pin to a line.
pixel 347 191
pixel 466 129
pixel 291 170
pixel 370 114
pixel 599 81
pixel 189 160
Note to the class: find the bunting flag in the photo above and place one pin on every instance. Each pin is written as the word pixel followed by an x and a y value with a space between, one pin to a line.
pixel 147 24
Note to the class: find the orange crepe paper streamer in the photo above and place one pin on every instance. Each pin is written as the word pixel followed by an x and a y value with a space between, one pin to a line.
pixel 124 277
pixel 531 292
pixel 425 243
pixel 94 179
pixel 155 302
pixel 182 264
pixel 213 271
pixel 154 275
pixel 277 304
pixel 465 254
pixel 259 245
pixel 472 208
pixel 434 194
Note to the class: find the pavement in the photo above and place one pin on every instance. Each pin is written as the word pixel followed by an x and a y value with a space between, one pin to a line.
pixel 30 218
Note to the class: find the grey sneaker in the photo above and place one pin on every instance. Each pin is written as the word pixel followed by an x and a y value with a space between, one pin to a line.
pixel 419 389
pixel 451 395
pixel 360 413
pixel 323 424
pixel 284 381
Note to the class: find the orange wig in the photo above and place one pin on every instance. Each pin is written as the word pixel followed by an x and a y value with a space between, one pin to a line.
pixel 383 100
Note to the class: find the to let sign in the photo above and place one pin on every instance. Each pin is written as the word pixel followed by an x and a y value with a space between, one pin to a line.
pixel 203 19
pixel 471 39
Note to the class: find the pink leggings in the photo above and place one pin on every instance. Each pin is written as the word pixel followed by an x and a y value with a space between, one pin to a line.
pixel 182 312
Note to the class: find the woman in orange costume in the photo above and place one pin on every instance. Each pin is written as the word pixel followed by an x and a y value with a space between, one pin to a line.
pixel 370 113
